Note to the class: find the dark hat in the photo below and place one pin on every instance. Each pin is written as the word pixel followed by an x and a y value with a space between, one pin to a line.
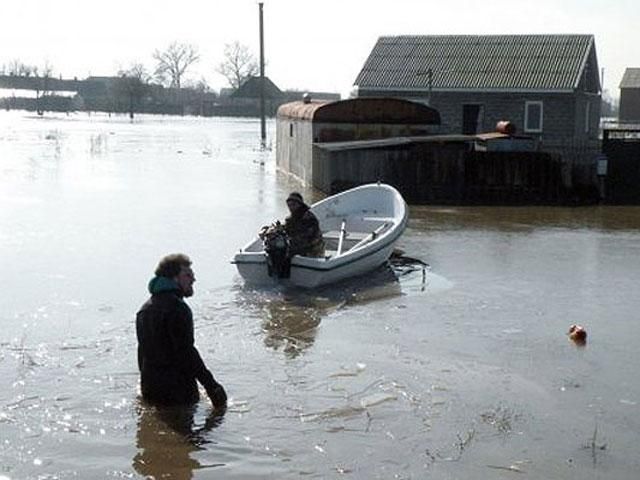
pixel 295 197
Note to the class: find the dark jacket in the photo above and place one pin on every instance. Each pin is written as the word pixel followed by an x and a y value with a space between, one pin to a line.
pixel 304 232
pixel 169 362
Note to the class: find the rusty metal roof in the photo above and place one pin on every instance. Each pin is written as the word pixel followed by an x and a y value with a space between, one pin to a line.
pixel 479 63
pixel 300 110
pixel 378 110
pixel 631 78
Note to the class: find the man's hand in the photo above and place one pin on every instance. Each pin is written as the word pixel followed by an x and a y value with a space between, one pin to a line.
pixel 218 396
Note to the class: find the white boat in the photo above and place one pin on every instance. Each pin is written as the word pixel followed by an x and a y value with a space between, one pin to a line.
pixel 360 227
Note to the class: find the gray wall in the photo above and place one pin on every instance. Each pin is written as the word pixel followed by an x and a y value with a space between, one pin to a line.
pixel 629 105
pixel 294 142
pixel 563 114
pixel 563 130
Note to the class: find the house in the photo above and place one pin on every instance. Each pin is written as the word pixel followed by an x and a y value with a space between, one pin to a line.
pixel 244 101
pixel 630 96
pixel 547 85
pixel 250 88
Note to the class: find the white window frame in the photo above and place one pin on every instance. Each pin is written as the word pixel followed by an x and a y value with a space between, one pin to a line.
pixel 528 104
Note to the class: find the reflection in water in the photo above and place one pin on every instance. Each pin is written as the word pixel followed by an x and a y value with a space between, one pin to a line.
pixel 518 219
pixel 166 438
pixel 290 326
pixel 291 316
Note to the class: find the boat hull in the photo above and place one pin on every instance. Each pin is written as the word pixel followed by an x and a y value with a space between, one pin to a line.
pixel 256 271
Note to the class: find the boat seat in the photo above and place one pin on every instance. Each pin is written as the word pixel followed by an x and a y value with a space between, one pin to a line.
pixel 335 235
pixel 379 219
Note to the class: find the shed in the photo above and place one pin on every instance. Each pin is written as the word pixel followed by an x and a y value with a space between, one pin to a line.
pixel 444 169
pixel 548 85
pixel 301 124
pixel 630 96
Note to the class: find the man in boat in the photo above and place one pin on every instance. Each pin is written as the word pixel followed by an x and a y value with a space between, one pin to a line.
pixel 168 360
pixel 305 236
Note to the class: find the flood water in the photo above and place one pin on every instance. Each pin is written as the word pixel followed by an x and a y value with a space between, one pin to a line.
pixel 467 374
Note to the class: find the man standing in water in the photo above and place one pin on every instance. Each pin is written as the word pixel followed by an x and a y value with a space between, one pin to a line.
pixel 168 360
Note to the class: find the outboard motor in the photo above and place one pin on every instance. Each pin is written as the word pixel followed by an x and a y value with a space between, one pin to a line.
pixel 276 246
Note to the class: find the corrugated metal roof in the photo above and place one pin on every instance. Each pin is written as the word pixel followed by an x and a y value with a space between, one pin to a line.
pixel 476 62
pixel 631 78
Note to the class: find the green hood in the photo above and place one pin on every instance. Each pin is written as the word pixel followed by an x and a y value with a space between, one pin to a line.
pixel 162 284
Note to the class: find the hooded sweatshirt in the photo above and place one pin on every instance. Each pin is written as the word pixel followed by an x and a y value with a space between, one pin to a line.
pixel 168 360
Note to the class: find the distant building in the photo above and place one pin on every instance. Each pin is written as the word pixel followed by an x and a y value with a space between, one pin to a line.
pixel 547 85
pixel 245 100
pixel 294 95
pixel 630 96
pixel 251 88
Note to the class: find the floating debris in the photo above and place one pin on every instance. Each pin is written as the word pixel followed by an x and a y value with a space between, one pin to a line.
pixel 577 335
pixel 376 399
pixel 349 373
pixel 510 468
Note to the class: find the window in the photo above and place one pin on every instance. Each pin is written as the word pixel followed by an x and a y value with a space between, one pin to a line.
pixel 533 117
pixel 291 129
pixel 587 114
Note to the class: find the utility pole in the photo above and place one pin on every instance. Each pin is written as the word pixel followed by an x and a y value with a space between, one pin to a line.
pixel 263 126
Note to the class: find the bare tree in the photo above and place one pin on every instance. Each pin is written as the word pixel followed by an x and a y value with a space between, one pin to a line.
pixel 136 70
pixel 46 72
pixel 238 65
pixel 20 69
pixel 609 105
pixel 174 62
pixel 47 69
pixel 200 85
pixel 131 88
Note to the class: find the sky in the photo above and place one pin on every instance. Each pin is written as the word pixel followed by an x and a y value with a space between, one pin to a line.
pixel 309 45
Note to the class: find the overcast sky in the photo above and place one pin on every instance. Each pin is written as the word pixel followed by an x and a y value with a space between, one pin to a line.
pixel 314 45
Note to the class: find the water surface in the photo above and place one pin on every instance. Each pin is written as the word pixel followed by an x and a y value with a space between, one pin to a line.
pixel 467 375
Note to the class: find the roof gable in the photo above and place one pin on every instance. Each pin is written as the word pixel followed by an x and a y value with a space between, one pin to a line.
pixel 477 62
pixel 251 89
pixel 631 78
